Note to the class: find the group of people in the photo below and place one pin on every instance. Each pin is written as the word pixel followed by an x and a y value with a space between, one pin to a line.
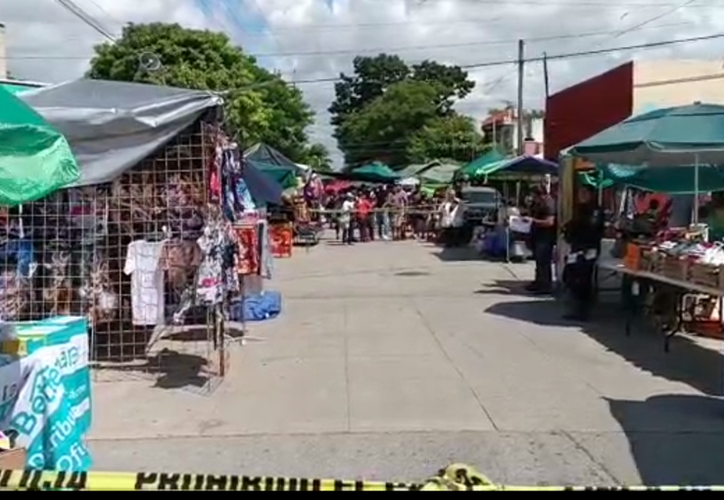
pixel 383 212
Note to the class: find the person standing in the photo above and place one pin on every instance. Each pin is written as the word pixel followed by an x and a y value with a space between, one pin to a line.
pixel 345 219
pixel 583 233
pixel 399 205
pixel 364 207
pixel 382 216
pixel 543 240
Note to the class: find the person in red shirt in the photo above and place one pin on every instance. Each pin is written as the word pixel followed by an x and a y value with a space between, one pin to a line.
pixel 364 208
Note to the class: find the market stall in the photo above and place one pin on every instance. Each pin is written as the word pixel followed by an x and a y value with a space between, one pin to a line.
pixel 675 275
pixel 45 393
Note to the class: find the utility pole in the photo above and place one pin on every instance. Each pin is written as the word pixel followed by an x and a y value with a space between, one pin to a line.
pixel 546 79
pixel 521 74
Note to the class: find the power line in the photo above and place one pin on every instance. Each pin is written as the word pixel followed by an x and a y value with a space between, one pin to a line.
pixel 455 45
pixel 641 25
pixel 548 38
pixel 81 14
pixel 550 57
pixel 496 63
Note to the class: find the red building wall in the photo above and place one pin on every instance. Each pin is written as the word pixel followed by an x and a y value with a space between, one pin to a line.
pixel 580 111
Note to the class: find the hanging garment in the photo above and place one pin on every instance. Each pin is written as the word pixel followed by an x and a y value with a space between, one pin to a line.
pixel 248 249
pixel 143 264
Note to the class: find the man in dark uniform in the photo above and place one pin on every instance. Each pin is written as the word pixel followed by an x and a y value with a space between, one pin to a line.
pixel 583 233
pixel 543 239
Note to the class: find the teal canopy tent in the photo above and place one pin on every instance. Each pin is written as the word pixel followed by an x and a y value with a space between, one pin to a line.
pixel 35 159
pixel 374 172
pixel 670 137
pixel 478 164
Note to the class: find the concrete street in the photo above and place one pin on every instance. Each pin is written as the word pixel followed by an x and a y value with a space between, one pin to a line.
pixel 392 360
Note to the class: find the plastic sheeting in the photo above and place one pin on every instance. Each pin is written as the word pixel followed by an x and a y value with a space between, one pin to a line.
pixel 112 126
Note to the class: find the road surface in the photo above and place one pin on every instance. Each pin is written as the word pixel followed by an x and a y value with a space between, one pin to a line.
pixel 392 360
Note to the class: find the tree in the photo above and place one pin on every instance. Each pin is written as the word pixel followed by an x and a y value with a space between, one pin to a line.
pixel 317 157
pixel 454 137
pixel 382 129
pixel 260 106
pixel 373 78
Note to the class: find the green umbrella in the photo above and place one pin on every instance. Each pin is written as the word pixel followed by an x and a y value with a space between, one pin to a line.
pixel 478 165
pixel 35 159
pixel 684 135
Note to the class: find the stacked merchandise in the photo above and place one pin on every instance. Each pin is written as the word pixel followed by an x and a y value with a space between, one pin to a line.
pixel 693 280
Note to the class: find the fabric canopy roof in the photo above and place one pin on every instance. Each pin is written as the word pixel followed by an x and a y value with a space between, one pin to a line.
pixel 112 126
pixel 672 180
pixel 440 174
pixel 520 167
pixel 668 137
pixel 35 159
pixel 472 168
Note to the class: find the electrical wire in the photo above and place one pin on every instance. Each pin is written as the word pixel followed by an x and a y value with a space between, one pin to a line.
pixel 569 36
pixel 89 20
pixel 477 43
pixel 552 57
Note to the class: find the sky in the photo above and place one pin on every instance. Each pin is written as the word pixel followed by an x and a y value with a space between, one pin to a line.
pixel 317 39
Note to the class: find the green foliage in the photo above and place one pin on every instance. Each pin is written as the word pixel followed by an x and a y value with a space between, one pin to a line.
pixel 317 157
pixel 454 137
pixel 381 130
pixel 260 106
pixel 385 102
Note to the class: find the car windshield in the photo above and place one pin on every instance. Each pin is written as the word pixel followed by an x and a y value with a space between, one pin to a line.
pixel 480 197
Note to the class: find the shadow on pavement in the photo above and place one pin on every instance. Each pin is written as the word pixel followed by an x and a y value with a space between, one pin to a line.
pixel 674 440
pixel 688 362
pixel 504 287
pixel 457 254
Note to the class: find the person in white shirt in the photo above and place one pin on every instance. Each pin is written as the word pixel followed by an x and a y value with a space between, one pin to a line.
pixel 451 218
pixel 345 219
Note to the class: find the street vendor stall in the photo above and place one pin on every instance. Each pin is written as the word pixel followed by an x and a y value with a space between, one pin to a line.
pixel 675 274
pixel 45 393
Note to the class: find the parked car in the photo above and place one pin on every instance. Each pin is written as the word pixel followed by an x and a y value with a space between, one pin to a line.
pixel 482 204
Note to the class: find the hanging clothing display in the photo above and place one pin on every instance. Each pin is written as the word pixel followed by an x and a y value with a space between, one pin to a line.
pixel 247 260
pixel 143 264
pixel 216 277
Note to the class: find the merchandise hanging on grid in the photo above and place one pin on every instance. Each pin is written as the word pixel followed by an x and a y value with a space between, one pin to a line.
pixel 140 255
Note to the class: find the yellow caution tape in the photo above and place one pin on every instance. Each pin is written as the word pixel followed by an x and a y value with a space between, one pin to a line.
pixel 453 478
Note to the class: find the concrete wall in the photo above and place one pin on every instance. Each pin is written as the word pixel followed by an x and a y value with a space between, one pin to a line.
pixel 3 54
pixel 662 84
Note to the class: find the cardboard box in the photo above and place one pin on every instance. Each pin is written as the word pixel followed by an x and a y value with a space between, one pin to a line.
pixel 33 335
pixel 13 459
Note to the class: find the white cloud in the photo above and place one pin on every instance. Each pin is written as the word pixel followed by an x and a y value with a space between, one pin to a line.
pixel 50 44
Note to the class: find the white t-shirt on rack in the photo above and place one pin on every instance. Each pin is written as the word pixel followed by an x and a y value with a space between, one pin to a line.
pixel 143 264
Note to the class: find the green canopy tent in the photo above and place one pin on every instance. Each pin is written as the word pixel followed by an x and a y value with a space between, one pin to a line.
pixel 439 175
pixel 417 169
pixel 479 163
pixel 684 136
pixel 35 159
pixel 374 172
pixel 672 180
